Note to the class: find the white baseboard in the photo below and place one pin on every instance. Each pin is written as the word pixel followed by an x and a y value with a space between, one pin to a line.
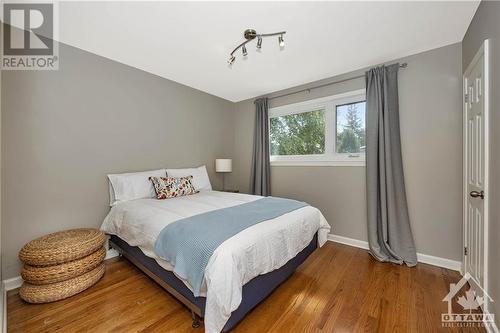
pixel 16 282
pixel 441 262
pixel 9 284
pixel 13 283
pixel 423 258
pixel 111 253
pixel 348 241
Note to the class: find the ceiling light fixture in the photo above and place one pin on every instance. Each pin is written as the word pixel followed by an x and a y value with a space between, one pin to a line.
pixel 250 35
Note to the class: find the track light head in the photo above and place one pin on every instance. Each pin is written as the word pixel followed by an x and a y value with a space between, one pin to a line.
pixel 244 50
pixel 281 41
pixel 259 42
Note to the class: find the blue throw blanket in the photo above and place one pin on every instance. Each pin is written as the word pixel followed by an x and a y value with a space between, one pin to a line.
pixel 189 243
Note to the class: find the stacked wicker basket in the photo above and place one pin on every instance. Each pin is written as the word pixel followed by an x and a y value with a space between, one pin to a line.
pixel 61 264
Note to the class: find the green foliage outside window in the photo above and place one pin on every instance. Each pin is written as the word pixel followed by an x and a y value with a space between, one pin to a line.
pixel 298 134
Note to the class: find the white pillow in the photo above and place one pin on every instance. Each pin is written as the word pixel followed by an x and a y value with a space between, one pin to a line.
pixel 200 176
pixel 131 186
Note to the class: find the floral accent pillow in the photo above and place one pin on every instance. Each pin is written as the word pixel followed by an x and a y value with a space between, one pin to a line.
pixel 170 187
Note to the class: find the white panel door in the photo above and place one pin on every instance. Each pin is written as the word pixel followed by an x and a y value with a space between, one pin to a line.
pixel 476 170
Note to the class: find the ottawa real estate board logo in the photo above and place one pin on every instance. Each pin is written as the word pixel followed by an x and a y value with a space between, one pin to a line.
pixel 467 309
pixel 28 34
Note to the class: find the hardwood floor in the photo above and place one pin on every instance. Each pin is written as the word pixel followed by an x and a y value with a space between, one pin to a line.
pixel 338 289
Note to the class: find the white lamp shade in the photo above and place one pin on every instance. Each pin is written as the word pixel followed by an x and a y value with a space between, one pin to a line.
pixel 223 165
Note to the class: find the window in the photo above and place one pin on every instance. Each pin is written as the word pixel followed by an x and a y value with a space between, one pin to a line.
pixel 350 125
pixel 325 131
pixel 298 134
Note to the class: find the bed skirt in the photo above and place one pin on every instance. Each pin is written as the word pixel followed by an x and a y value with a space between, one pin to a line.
pixel 254 292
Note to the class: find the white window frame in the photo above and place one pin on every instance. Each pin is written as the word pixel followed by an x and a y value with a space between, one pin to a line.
pixel 330 157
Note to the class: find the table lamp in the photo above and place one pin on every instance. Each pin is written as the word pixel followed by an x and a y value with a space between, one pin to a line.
pixel 223 165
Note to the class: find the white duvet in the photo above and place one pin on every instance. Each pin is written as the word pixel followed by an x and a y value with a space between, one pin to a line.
pixel 257 250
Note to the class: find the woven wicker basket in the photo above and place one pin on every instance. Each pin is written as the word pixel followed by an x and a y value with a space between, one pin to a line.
pixel 56 291
pixel 57 273
pixel 61 247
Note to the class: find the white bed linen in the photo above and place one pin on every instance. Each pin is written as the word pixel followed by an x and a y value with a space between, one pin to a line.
pixel 257 250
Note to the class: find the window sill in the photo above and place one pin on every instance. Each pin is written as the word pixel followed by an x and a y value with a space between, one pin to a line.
pixel 341 163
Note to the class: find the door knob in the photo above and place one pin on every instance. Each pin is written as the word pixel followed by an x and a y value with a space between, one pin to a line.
pixel 476 194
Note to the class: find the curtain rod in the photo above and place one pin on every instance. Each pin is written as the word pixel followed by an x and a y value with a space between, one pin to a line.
pixel 403 65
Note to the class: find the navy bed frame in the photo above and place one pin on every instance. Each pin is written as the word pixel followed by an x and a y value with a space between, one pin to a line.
pixel 255 291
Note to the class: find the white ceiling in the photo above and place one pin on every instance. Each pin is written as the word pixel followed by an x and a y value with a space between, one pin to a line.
pixel 189 42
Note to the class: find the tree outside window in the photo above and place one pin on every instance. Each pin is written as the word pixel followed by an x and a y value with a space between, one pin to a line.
pixel 298 134
pixel 351 128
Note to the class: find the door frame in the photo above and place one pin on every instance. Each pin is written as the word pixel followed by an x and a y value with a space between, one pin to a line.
pixel 483 50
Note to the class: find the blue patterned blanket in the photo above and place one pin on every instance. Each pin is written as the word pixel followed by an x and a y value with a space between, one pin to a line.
pixel 189 243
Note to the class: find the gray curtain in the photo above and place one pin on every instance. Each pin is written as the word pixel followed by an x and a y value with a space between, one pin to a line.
pixel 389 232
pixel 261 167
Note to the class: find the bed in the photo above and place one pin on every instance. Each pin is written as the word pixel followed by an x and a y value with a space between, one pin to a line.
pixel 241 272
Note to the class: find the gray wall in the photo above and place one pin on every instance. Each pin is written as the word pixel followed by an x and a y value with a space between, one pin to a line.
pixel 486 24
pixel 63 131
pixel 431 134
